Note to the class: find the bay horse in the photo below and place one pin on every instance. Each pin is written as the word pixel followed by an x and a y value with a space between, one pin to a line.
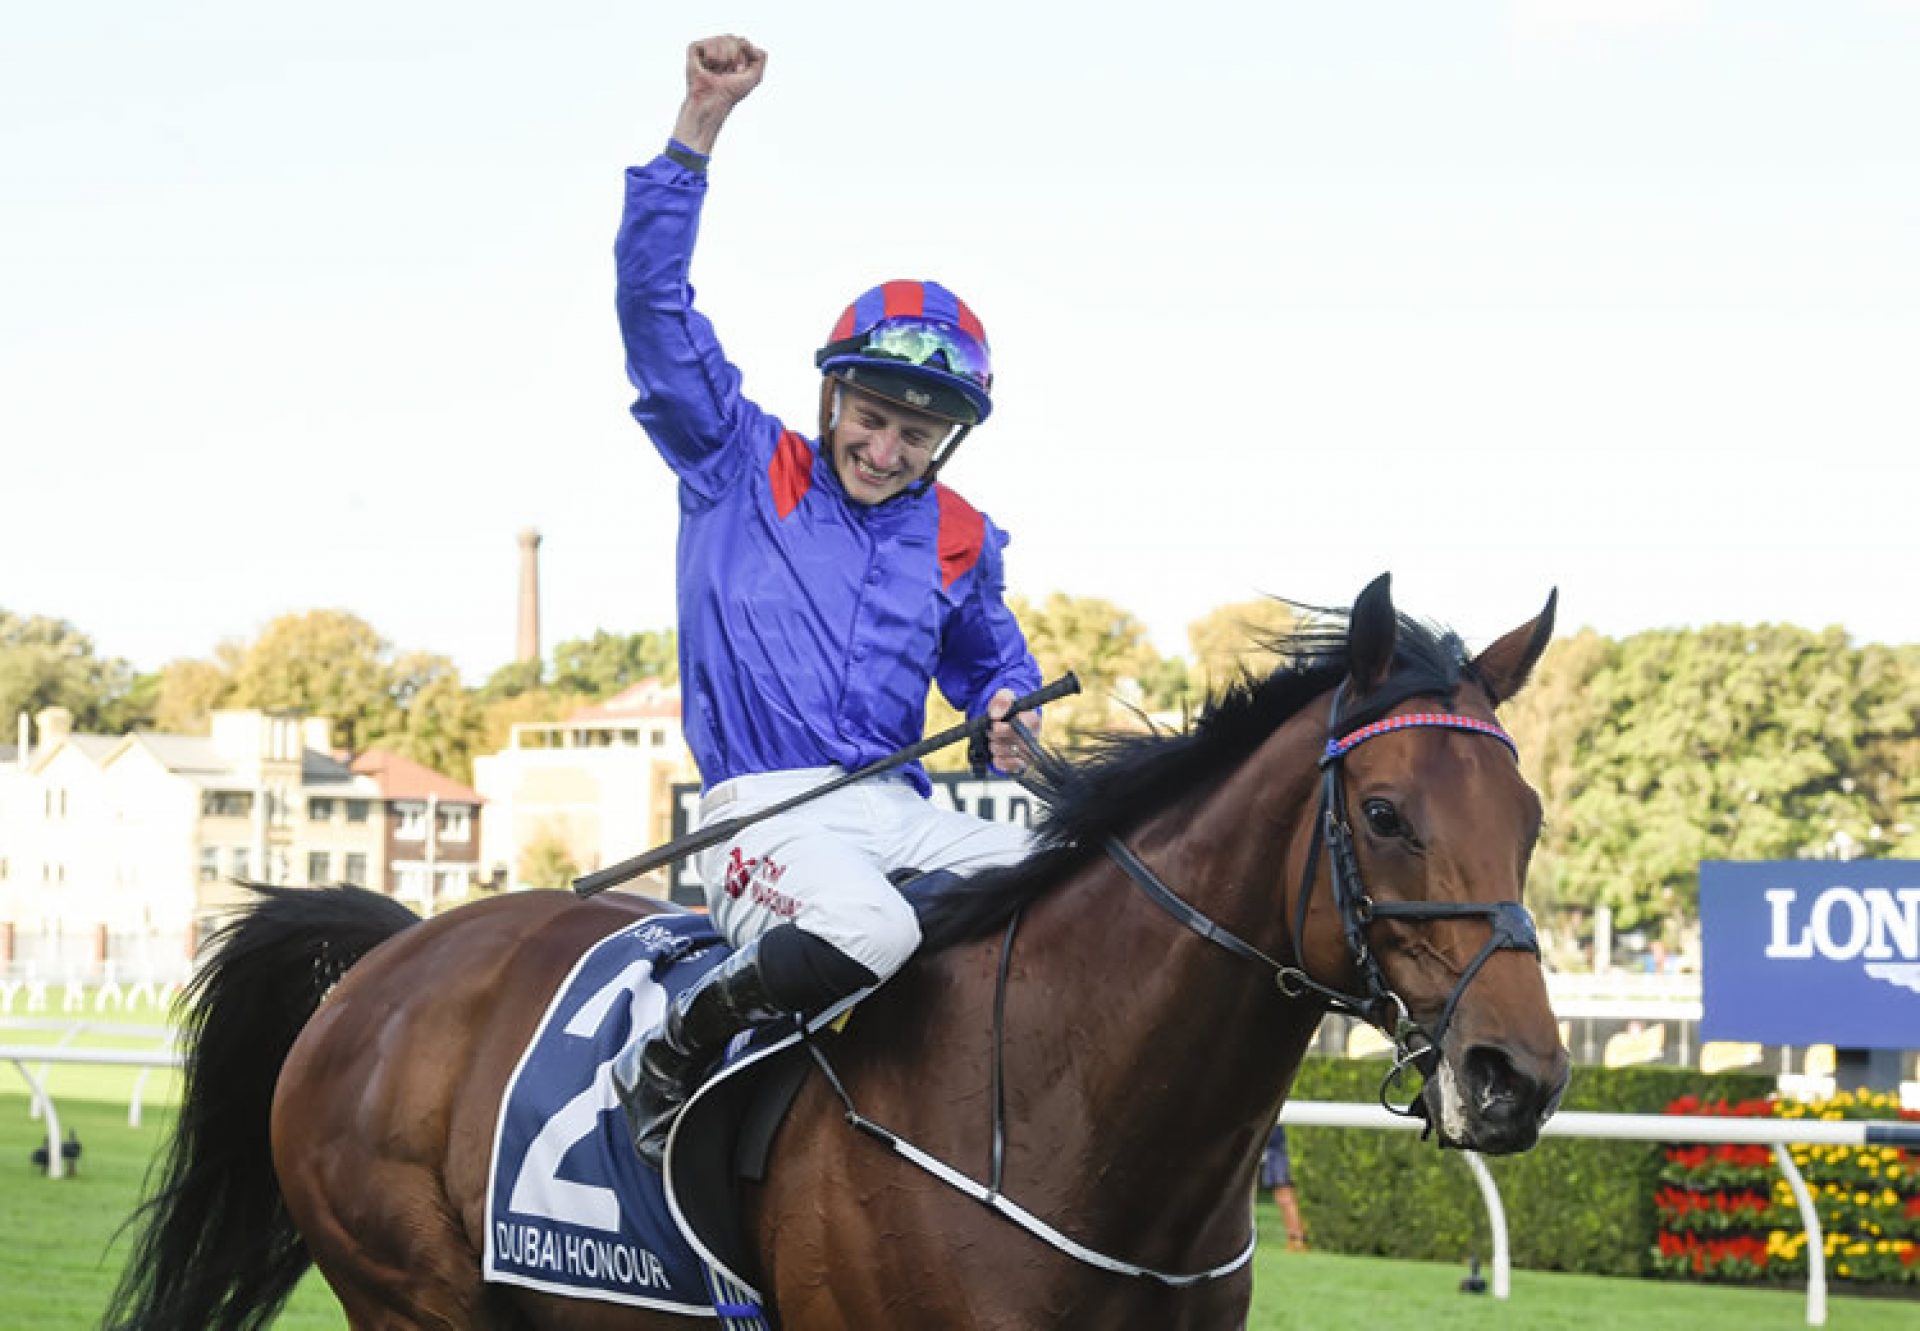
pixel 1349 832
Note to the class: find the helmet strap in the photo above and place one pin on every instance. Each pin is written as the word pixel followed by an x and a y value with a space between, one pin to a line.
pixel 947 449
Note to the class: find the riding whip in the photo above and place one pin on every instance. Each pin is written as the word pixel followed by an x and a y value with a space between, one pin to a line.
pixel 727 828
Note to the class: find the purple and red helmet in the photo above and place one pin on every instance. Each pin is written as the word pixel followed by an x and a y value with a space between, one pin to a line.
pixel 915 343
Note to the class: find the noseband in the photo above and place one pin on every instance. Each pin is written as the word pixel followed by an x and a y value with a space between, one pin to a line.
pixel 1511 925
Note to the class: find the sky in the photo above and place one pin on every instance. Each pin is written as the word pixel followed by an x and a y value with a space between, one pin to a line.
pixel 307 307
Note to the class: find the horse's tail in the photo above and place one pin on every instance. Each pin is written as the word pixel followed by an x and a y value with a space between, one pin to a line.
pixel 217 1250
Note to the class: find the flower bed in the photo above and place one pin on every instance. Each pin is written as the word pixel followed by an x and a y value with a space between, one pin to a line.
pixel 1725 1212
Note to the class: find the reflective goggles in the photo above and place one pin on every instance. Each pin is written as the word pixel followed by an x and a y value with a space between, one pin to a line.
pixel 931 346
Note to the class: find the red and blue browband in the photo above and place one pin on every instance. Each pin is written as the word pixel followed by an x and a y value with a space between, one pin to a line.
pixel 1338 748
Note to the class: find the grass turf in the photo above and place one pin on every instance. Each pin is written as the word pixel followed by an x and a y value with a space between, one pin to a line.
pixel 59 1258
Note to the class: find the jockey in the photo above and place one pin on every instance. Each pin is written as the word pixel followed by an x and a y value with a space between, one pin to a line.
pixel 824 585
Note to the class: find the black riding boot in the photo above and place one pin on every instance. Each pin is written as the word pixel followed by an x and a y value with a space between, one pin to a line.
pixel 688 1044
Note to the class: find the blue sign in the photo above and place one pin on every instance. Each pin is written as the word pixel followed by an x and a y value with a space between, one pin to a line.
pixel 1811 952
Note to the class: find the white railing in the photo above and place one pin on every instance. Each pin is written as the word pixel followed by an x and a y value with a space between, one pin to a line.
pixel 101 987
pixel 1774 1132
pixel 64 1051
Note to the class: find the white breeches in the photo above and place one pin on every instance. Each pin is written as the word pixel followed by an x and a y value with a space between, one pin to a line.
pixel 824 865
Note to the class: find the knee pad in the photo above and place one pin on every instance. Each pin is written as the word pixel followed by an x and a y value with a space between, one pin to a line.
pixel 805 973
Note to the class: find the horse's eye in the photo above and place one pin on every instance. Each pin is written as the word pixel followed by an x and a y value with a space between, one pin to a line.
pixel 1383 818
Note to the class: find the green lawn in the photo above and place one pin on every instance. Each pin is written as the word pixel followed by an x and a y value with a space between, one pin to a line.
pixel 1326 1292
pixel 59 1261
pixel 59 1258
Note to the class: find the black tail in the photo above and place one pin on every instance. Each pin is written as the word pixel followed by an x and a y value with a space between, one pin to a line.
pixel 217 1250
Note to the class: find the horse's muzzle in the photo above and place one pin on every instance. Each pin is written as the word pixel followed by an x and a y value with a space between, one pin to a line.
pixel 1497 1100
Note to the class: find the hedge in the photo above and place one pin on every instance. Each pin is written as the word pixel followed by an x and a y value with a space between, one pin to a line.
pixel 1572 1204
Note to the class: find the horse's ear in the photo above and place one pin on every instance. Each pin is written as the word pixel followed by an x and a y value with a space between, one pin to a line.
pixel 1371 630
pixel 1504 667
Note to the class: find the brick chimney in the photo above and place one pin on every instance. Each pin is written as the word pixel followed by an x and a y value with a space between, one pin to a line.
pixel 529 642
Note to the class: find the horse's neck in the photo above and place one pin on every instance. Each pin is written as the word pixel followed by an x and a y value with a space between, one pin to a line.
pixel 1179 1050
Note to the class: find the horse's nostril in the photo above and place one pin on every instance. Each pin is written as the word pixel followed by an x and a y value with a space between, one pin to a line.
pixel 1494 1086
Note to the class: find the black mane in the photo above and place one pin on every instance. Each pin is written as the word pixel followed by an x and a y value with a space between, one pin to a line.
pixel 1120 779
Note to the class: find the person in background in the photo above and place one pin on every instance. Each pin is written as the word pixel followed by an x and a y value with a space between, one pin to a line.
pixel 1276 1176
pixel 824 585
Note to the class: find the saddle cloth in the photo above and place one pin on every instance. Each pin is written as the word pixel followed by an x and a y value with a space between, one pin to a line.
pixel 570 1207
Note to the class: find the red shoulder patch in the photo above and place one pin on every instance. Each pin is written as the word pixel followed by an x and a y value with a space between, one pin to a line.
pixel 790 473
pixel 963 533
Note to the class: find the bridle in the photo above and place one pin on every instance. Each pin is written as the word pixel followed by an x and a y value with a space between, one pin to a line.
pixel 1511 925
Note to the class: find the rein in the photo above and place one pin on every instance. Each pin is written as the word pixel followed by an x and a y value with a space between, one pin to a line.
pixel 1512 926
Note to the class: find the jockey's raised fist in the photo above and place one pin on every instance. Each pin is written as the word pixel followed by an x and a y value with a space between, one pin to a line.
pixel 724 69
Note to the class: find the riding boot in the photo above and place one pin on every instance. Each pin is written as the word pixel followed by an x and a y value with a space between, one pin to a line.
pixel 688 1044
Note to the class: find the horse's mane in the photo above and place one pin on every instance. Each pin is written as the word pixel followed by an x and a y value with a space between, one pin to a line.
pixel 1119 779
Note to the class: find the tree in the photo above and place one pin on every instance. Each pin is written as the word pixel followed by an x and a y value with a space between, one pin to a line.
pixel 189 691
pixel 1889 747
pixel 1168 686
pixel 48 662
pixel 1730 742
pixel 1550 720
pixel 606 663
pixel 499 716
pixel 1237 640
pixel 333 664
pixel 512 680
pixel 326 663
pixel 547 862
pixel 441 723
pixel 1106 647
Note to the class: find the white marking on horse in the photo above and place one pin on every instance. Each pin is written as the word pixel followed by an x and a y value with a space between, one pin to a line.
pixel 1453 1106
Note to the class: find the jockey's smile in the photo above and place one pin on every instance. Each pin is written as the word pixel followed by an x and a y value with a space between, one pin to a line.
pixel 880 448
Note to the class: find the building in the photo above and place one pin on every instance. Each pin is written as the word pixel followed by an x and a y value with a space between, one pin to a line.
pixel 586 791
pixel 124 851
pixel 430 843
